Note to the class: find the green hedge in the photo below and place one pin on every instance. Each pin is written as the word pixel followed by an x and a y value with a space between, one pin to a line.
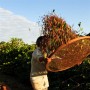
pixel 15 58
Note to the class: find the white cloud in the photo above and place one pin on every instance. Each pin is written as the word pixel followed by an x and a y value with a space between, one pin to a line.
pixel 12 25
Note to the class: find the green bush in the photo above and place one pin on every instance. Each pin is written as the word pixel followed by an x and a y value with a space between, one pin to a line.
pixel 15 58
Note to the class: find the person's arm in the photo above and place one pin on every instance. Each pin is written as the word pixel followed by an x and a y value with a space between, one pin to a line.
pixel 42 59
pixel 46 60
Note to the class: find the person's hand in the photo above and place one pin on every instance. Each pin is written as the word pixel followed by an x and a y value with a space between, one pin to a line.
pixel 48 60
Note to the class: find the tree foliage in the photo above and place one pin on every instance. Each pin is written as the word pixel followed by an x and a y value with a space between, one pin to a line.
pixel 15 58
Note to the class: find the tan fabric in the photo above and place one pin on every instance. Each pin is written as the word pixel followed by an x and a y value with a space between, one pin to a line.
pixel 37 68
pixel 40 82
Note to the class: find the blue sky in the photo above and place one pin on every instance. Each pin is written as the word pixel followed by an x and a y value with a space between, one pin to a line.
pixel 73 12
